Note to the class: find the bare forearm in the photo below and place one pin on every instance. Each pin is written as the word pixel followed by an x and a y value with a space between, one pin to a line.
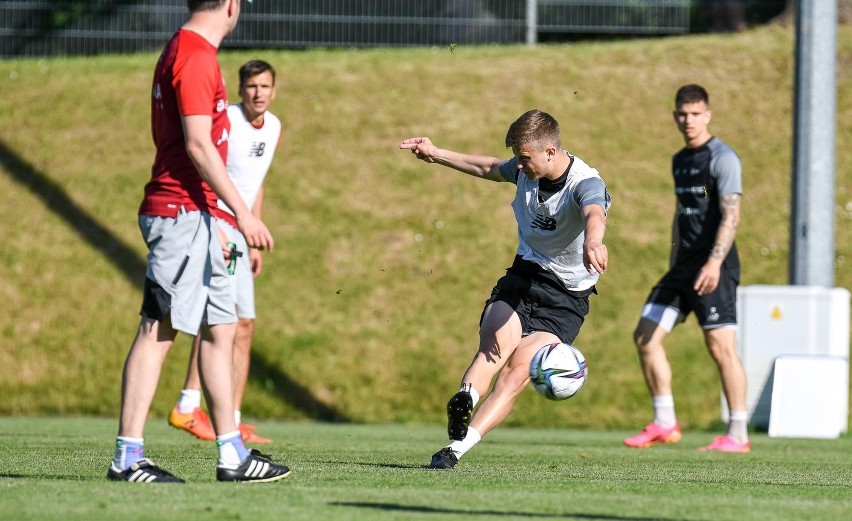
pixel 730 206
pixel 485 167
pixel 675 241
pixel 595 228
pixel 257 209
pixel 595 254
pixel 477 166
pixel 211 168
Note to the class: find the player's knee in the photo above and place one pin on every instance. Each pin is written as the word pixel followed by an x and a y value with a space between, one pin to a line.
pixel 516 379
pixel 722 354
pixel 246 326
pixel 641 338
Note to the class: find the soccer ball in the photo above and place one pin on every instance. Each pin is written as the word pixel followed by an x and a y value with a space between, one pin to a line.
pixel 558 371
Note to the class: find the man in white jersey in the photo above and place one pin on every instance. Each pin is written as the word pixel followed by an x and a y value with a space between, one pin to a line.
pixel 702 279
pixel 560 205
pixel 255 134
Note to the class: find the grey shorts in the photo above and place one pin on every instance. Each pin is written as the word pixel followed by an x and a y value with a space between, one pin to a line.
pixel 243 280
pixel 186 279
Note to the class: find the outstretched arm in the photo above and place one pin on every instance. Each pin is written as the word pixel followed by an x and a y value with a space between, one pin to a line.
pixel 485 167
pixel 708 277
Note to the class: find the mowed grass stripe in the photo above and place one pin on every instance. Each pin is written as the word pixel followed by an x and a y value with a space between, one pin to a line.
pixel 54 468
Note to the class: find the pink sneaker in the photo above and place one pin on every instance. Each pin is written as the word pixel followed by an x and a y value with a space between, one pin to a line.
pixel 727 444
pixel 653 434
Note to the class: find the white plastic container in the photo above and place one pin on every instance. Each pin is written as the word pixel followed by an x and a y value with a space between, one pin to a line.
pixel 775 321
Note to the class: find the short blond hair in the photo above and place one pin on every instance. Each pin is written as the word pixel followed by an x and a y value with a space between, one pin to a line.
pixel 534 128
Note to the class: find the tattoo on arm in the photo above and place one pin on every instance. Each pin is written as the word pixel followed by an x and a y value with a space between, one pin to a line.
pixel 730 207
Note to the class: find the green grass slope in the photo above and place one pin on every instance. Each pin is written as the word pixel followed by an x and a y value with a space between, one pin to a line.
pixel 368 307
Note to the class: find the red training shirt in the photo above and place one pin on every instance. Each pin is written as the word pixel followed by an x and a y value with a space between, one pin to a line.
pixel 187 81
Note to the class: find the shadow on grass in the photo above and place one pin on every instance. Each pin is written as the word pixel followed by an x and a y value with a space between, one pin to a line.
pixel 491 513
pixel 78 219
pixel 377 465
pixel 49 477
pixel 284 388
pixel 125 259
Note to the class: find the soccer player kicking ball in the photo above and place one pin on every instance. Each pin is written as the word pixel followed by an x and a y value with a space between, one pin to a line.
pixel 560 206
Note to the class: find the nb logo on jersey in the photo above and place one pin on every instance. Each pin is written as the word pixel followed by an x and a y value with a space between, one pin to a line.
pixel 545 223
pixel 257 149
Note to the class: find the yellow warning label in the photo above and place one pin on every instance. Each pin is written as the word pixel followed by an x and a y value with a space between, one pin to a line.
pixel 776 313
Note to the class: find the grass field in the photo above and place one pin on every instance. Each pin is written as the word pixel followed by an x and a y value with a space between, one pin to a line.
pixel 54 468
pixel 383 262
pixel 368 307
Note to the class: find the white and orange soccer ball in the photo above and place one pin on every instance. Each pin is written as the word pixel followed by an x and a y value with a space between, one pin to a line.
pixel 558 371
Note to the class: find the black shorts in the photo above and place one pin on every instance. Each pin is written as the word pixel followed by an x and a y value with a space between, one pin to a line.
pixel 542 304
pixel 716 309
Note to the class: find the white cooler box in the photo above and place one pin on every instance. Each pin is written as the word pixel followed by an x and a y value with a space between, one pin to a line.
pixel 778 326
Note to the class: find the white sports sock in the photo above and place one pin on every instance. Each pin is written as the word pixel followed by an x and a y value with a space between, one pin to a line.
pixel 474 394
pixel 238 416
pixel 232 451
pixel 189 400
pixel 738 426
pixel 664 411
pixel 128 451
pixel 460 447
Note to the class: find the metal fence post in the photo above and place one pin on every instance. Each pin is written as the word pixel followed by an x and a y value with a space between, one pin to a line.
pixel 812 218
pixel 532 22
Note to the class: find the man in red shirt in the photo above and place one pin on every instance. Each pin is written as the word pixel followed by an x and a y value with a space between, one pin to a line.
pixel 186 283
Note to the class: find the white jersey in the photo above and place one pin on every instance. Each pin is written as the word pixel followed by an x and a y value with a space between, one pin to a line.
pixel 551 233
pixel 250 153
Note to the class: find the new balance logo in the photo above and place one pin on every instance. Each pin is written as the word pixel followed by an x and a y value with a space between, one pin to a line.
pixel 545 223
pixel 257 149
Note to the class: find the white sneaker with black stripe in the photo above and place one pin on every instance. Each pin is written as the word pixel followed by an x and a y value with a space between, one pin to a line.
pixel 257 468
pixel 142 471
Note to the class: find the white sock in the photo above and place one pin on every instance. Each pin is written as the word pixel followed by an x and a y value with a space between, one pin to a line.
pixel 738 426
pixel 232 451
pixel 237 417
pixel 128 451
pixel 189 400
pixel 460 447
pixel 474 395
pixel 664 411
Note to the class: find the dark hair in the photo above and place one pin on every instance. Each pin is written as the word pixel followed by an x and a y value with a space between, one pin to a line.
pixel 691 93
pixel 253 68
pixel 204 5
pixel 535 128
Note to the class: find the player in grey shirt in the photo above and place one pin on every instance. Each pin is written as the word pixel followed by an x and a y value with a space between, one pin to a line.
pixel 703 278
pixel 560 205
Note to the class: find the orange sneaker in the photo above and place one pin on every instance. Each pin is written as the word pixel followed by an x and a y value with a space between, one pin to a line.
pixel 196 423
pixel 727 444
pixel 249 436
pixel 653 434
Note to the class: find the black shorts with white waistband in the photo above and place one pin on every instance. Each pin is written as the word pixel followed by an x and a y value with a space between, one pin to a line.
pixel 713 310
